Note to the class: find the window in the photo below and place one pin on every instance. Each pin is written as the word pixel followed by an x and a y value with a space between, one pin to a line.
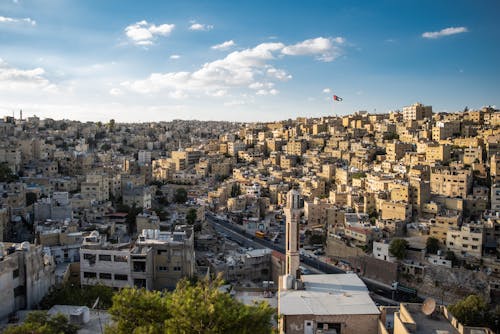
pixel 177 268
pixel 19 291
pixel 121 258
pixel 87 274
pixel 104 257
pixel 105 276
pixel 120 277
pixel 162 268
pixel 87 256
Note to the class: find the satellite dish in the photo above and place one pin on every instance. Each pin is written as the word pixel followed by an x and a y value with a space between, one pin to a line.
pixel 429 306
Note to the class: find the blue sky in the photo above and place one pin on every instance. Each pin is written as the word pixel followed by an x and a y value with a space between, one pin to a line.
pixel 244 60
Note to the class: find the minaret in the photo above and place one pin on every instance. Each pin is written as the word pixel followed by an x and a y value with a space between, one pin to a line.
pixel 292 213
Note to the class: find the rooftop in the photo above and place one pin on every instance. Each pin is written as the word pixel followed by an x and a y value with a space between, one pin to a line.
pixel 333 294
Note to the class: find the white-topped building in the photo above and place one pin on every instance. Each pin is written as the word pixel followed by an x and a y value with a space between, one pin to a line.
pixel 335 303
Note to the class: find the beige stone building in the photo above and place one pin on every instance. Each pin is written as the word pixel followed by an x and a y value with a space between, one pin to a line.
pixel 400 210
pixel 443 223
pixel 451 182
pixel 416 112
pixel 466 241
pixel 296 147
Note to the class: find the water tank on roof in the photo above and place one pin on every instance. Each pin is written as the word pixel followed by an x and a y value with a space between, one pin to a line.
pixel 80 316
pixel 25 245
pixel 287 282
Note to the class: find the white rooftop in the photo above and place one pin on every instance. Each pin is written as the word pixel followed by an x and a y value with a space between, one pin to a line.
pixel 328 295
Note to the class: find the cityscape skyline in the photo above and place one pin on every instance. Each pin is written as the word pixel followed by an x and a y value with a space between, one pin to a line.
pixel 244 61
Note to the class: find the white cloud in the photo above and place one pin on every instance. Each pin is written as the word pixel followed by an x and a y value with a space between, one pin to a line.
pixel 267 92
pixel 238 69
pixel 175 56
pixel 327 90
pixel 218 93
pixel 325 49
pixel 144 33
pixel 234 103
pixel 4 19
pixel 224 46
pixel 115 92
pixel 12 78
pixel 444 32
pixel 280 75
pixel 200 27
pixel 249 68
pixel 260 85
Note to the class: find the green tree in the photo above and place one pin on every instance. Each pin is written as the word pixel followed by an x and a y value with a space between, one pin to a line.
pixel 39 322
pixel 111 125
pixel 398 248
pixel 317 239
pixel 235 190
pixel 6 174
pixel 180 195
pixel 432 245
pixel 450 256
pixel 69 294
pixel 30 198
pixel 193 307
pixel 471 311
pixel 105 147
pixel 191 216
pixel 138 310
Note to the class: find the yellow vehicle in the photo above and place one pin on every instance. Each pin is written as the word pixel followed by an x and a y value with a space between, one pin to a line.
pixel 260 234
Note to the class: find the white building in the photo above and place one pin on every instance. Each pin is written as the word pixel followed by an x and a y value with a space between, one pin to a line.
pixel 381 251
pixel 103 263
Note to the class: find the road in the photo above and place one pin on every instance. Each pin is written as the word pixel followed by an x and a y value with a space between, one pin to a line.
pixel 380 292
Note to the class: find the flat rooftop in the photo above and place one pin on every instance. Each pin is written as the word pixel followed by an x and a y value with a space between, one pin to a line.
pixel 430 325
pixel 331 294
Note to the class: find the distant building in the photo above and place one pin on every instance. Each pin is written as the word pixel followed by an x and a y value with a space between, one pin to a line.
pixel 416 112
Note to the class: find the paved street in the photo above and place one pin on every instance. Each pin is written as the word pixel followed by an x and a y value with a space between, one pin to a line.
pixel 381 292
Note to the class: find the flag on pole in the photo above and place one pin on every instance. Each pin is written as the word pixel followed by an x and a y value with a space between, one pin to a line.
pixel 95 303
pixel 337 98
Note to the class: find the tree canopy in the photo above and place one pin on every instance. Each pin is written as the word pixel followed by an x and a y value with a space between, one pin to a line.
pixel 432 245
pixel 6 174
pixel 191 308
pixel 191 216
pixel 180 195
pixel 398 248
pixel 39 322
pixel 471 311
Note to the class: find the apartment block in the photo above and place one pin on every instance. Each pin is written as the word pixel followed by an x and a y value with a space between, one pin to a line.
pixel 451 182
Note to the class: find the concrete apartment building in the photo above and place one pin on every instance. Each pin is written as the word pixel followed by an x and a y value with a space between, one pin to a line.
pixel 238 266
pixel 445 129
pixel 495 196
pixel 169 255
pixel 451 182
pixel 26 276
pixel 466 241
pixel 104 263
pixel 417 112
pixel 157 261
pixel 96 187
pixel 442 223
